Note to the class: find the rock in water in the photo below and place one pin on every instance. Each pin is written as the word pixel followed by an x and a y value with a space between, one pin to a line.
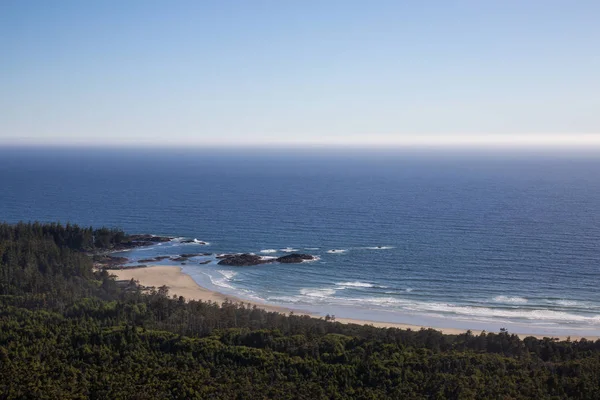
pixel 243 260
pixel 154 259
pixel 295 258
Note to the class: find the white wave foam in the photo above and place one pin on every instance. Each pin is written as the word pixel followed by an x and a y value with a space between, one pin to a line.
pixel 227 274
pixel 265 258
pixel 315 258
pixel 139 249
pixel 355 284
pixel 311 248
pixel 284 299
pixel 567 303
pixel 540 316
pixel 379 247
pixel 378 301
pixel 510 299
pixel 397 291
pixel 289 250
pixel 201 242
pixel 337 251
pixel 320 293
pixel 223 282
pixel 269 251
pixel 221 255
pixel 250 294
pixel 546 315
pixel 220 282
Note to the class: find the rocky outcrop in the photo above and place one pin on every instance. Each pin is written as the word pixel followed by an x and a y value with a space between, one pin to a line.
pixel 221 256
pixel 243 260
pixel 104 261
pixel 114 267
pixel 149 238
pixel 295 258
pixel 200 242
pixel 135 241
pixel 153 259
pixel 187 256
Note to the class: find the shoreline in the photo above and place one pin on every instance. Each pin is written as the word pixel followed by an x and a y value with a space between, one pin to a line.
pixel 181 284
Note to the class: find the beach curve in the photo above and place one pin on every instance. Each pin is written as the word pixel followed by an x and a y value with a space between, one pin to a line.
pixel 181 284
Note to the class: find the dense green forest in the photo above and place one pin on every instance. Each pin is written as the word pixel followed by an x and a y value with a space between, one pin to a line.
pixel 68 331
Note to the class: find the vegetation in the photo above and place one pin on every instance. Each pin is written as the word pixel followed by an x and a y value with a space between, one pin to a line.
pixel 67 331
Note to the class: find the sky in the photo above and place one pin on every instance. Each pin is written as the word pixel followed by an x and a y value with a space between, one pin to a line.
pixel 314 73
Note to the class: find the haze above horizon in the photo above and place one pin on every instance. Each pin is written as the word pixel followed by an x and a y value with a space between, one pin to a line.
pixel 323 74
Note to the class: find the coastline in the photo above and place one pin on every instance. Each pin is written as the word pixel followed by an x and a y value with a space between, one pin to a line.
pixel 181 284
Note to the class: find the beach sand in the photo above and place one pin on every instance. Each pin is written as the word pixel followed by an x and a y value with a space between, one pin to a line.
pixel 181 284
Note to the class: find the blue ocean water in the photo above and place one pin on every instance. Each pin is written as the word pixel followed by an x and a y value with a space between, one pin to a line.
pixel 467 241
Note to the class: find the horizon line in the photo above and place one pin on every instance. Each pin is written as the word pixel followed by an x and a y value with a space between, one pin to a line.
pixel 535 142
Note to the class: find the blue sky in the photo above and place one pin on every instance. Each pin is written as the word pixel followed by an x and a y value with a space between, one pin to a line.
pixel 300 72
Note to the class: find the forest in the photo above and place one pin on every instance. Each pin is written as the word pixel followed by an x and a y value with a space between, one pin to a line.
pixel 70 331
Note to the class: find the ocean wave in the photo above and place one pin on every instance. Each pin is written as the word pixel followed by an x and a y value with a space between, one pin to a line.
pixel 201 242
pixel 356 284
pixel 469 311
pixel 568 303
pixel 320 293
pixel 224 281
pixel 269 251
pixel 221 282
pixel 485 312
pixel 221 255
pixel 250 294
pixel 337 251
pixel 510 299
pixel 397 291
pixel 152 247
pixel 311 248
pixel 373 301
pixel 315 258
pixel 284 299
pixel 266 258
pixel 543 316
pixel 289 250
pixel 380 247
pixel 227 274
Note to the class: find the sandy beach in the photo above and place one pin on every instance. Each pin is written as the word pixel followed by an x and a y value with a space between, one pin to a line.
pixel 181 284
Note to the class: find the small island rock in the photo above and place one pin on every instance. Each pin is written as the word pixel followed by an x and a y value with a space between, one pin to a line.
pixel 295 258
pixel 243 260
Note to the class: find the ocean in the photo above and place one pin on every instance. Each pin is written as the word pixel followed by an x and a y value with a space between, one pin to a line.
pixel 472 241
